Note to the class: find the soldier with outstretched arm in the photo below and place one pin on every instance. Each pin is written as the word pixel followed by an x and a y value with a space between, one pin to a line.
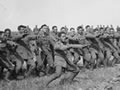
pixel 61 60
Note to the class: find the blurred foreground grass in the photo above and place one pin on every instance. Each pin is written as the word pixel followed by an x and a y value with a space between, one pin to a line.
pixel 99 79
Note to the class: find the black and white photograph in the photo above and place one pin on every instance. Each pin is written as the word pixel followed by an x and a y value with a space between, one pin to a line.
pixel 59 44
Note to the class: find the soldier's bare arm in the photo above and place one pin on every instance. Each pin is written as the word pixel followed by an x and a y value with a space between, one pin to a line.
pixel 60 46
pixel 77 46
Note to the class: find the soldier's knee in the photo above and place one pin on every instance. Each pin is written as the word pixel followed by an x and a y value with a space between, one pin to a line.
pixel 87 57
pixel 19 63
pixel 50 59
pixel 57 74
pixel 39 62
pixel 93 55
pixel 116 54
pixel 18 67
pixel 33 65
pixel 108 54
pixel 101 56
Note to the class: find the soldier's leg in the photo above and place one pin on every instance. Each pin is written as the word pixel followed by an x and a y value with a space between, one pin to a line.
pixel 115 58
pixel 59 63
pixel 70 75
pixel 111 61
pixel 8 66
pixel 87 58
pixel 94 57
pixel 108 55
pixel 31 66
pixel 116 55
pixel 76 59
pixel 50 59
pixel 50 62
pixel 39 62
pixel 39 66
pixel 7 75
pixel 18 66
pixel 100 58
pixel 6 62
pixel 43 58
pixel 54 76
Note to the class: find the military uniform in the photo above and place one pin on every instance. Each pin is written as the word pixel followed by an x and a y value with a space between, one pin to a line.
pixel 75 53
pixel 60 57
pixel 46 44
pixel 62 61
pixel 5 61
pixel 54 36
pixel 24 50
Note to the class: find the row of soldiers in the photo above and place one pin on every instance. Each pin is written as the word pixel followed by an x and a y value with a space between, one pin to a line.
pixel 44 52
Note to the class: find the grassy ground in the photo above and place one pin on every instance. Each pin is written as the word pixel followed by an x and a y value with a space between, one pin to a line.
pixel 99 79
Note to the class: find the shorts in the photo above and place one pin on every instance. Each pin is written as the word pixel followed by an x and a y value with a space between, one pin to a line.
pixel 60 61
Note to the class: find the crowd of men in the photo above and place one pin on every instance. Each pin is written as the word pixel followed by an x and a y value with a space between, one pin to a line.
pixel 42 51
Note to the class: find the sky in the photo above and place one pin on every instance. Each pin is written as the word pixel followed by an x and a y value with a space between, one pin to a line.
pixel 71 13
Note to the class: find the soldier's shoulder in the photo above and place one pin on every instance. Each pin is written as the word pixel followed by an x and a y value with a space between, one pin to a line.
pixel 58 42
pixel 15 34
pixel 116 34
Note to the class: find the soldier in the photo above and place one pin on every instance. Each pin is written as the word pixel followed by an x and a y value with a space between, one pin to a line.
pixel 108 48
pixel 36 30
pixel 36 51
pixel 24 49
pixel 28 30
pixel 46 44
pixel 93 49
pixel 74 53
pixel 100 49
pixel 72 32
pixel 6 53
pixel 61 60
pixel 113 38
pixel 5 61
pixel 54 33
pixel 21 29
pixel 12 54
pixel 87 28
pixel 80 36
pixel 64 29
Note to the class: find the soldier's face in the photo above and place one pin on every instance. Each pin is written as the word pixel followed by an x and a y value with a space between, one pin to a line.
pixel 62 30
pixel 21 31
pixel 72 31
pixel 45 29
pixel 111 31
pixel 7 33
pixel 63 37
pixel 80 30
pixel 55 30
pixel 36 32
pixel 88 29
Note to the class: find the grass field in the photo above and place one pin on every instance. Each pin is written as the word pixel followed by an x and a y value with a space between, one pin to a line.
pixel 99 79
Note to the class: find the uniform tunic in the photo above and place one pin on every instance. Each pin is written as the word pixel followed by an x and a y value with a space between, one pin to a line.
pixel 46 44
pixel 61 58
